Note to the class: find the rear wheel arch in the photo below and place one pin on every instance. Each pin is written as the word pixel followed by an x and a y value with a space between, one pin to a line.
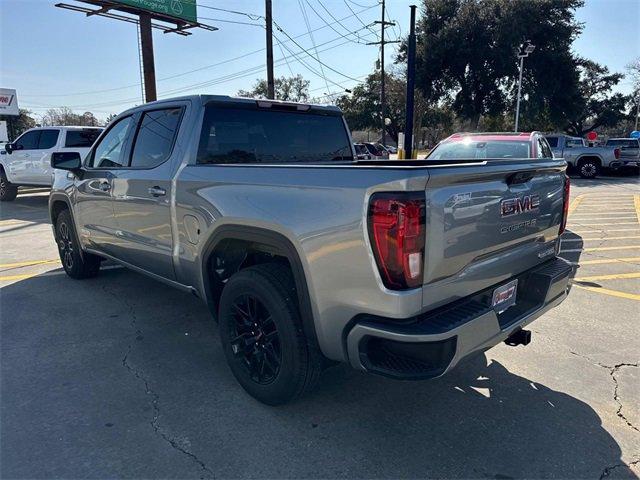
pixel 242 242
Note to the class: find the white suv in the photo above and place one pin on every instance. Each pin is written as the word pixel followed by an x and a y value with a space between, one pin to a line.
pixel 27 160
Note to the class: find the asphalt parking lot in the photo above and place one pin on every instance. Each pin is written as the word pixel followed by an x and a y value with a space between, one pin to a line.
pixel 120 376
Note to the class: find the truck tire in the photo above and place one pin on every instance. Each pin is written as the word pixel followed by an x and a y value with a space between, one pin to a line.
pixel 262 336
pixel 589 168
pixel 8 191
pixel 76 264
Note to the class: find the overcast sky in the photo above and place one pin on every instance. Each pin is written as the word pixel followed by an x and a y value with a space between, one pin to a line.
pixel 56 57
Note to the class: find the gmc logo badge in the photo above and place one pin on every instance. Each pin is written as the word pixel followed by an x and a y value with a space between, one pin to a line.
pixel 516 206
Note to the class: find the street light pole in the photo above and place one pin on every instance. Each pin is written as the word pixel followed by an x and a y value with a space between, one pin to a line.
pixel 519 90
pixel 525 49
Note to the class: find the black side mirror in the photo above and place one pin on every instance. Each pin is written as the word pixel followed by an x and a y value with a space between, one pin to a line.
pixel 70 161
pixel 9 147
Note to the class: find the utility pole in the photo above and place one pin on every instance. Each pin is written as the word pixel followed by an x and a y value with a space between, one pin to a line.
pixel 382 41
pixel 382 22
pixel 269 21
pixel 148 65
pixel 411 77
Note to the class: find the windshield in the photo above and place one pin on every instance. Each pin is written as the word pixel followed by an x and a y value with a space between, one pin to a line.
pixel 245 135
pixel 471 149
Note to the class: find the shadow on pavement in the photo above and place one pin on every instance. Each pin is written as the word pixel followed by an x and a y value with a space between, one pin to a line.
pixel 27 207
pixel 121 376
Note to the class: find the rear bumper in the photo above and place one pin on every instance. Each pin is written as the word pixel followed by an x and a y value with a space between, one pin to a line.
pixel 433 343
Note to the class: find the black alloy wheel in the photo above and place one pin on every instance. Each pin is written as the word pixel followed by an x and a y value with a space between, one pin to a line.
pixel 255 341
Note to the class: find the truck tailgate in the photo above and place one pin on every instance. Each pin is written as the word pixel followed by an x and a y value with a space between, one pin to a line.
pixel 486 225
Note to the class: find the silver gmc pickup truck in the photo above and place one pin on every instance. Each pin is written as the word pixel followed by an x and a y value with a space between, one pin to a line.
pixel 307 256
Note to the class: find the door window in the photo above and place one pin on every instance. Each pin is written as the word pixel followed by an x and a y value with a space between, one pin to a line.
pixel 553 142
pixel 48 139
pixel 28 141
pixel 109 153
pixel 155 137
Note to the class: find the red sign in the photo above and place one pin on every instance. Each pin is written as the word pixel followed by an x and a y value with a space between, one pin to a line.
pixel 591 136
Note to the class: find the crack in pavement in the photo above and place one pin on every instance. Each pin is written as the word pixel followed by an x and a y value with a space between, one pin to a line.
pixel 612 371
pixel 607 471
pixel 155 424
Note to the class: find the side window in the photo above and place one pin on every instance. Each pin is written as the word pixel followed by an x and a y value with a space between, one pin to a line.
pixel 553 141
pixel 29 141
pixel 110 151
pixel 155 137
pixel 543 149
pixel 81 138
pixel 48 139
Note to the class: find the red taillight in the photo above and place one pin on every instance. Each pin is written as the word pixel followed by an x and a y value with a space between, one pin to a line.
pixel 397 235
pixel 616 153
pixel 565 206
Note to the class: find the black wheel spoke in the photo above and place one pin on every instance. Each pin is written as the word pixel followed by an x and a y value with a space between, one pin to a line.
pixel 254 339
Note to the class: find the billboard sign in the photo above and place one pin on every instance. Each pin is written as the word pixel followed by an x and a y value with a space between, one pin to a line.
pixel 179 9
pixel 8 102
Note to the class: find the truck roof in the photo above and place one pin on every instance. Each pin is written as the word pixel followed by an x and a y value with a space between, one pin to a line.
pixel 207 98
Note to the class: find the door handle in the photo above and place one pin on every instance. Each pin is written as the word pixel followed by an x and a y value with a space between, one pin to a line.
pixel 104 186
pixel 157 191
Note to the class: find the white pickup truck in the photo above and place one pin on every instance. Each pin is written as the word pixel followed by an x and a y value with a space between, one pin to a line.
pixel 27 160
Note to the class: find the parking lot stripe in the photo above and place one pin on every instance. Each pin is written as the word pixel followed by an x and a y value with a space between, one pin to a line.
pixel 29 264
pixel 613 293
pixel 593 230
pixel 604 261
pixel 636 202
pixel 616 223
pixel 599 238
pixel 601 249
pixel 574 204
pixel 615 276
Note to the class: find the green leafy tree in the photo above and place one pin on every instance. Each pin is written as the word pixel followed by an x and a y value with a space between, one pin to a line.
pixel 467 56
pixel 597 106
pixel 20 123
pixel 289 89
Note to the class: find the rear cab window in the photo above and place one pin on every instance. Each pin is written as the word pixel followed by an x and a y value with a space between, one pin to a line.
pixel 624 143
pixel 250 135
pixel 480 149
pixel 81 138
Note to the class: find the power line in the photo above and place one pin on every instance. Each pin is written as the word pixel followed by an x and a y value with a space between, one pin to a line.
pixel 223 79
pixel 307 52
pixel 236 22
pixel 313 40
pixel 359 19
pixel 181 74
pixel 349 32
pixel 252 16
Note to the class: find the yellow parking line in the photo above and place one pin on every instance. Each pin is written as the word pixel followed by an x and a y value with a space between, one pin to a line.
pixel 593 230
pixel 636 202
pixel 599 249
pixel 574 204
pixel 607 260
pixel 8 278
pixel 615 276
pixel 602 249
pixel 599 238
pixel 28 264
pixel 15 222
pixel 617 223
pixel 613 293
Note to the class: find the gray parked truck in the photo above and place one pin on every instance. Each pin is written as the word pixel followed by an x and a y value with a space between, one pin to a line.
pixel 306 256
pixel 588 161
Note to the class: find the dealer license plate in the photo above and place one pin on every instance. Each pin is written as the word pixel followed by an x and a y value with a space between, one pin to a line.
pixel 504 296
